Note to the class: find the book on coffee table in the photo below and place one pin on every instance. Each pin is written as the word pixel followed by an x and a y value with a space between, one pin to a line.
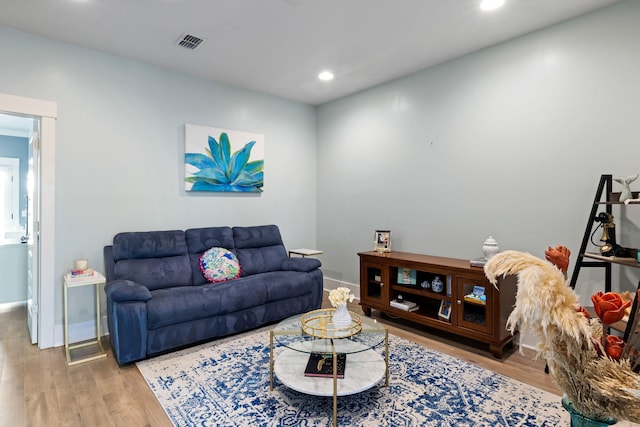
pixel 321 365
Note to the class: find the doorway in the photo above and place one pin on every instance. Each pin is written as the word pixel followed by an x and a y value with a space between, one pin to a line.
pixel 14 165
pixel 41 213
pixel 10 186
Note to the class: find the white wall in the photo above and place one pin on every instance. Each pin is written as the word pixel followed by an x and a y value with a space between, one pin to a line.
pixel 509 141
pixel 120 151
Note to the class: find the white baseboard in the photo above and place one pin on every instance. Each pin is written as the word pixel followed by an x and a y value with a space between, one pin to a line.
pixel 330 284
pixel 10 306
pixel 82 331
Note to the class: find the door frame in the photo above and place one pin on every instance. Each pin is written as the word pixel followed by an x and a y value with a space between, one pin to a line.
pixel 47 111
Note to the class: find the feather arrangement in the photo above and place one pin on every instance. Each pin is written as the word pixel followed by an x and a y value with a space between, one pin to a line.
pixel 596 384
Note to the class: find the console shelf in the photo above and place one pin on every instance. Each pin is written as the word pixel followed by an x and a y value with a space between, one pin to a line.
pixel 386 276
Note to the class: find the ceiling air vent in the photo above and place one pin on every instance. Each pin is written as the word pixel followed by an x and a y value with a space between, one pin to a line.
pixel 189 41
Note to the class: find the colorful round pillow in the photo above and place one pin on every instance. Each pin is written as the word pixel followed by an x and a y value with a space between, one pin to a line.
pixel 219 265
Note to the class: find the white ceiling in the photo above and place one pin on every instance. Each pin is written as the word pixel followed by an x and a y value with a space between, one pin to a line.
pixel 278 47
pixel 15 126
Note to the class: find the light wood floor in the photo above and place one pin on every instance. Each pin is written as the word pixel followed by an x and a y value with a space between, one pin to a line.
pixel 37 388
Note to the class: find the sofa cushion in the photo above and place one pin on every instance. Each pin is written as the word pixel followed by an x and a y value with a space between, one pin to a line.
pixel 219 265
pixel 155 259
pixel 126 291
pixel 282 285
pixel 177 305
pixel 259 249
pixel 201 239
pixel 301 264
pixel 149 244
pixel 155 273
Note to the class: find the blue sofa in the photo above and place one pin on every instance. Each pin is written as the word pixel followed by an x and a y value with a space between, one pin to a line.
pixel 158 298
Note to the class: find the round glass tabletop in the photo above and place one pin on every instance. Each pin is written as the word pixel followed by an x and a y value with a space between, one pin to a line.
pixel 292 334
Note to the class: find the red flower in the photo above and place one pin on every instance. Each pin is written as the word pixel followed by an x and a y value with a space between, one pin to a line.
pixel 583 311
pixel 613 346
pixel 558 256
pixel 609 306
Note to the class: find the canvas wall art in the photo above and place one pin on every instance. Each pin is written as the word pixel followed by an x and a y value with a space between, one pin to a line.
pixel 223 160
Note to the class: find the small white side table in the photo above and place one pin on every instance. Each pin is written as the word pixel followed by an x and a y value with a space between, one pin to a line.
pixel 96 280
pixel 304 252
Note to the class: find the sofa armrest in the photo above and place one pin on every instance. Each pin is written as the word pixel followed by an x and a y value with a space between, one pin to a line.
pixel 300 264
pixel 126 291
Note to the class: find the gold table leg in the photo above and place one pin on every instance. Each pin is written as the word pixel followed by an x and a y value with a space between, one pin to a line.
pixel 335 387
pixel 98 341
pixel 271 360
pixel 386 356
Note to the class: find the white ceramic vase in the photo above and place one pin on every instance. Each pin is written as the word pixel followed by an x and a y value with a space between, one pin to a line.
pixel 341 317
pixel 437 285
pixel 490 248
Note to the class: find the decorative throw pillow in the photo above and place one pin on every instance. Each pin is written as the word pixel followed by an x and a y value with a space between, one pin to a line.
pixel 219 265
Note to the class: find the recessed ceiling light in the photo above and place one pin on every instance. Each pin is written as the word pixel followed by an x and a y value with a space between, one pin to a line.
pixel 326 76
pixel 491 4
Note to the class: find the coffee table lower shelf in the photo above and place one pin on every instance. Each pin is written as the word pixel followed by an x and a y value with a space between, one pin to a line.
pixel 363 371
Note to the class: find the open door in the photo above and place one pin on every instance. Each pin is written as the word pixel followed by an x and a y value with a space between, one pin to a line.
pixel 43 279
pixel 32 236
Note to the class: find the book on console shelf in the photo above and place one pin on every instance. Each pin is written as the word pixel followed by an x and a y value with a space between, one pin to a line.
pixel 321 365
pixel 404 305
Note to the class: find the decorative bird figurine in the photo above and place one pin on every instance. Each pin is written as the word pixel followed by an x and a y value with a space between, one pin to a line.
pixel 598 386
pixel 626 193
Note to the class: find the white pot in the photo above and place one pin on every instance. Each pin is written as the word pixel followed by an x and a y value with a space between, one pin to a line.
pixel 341 317
pixel 490 248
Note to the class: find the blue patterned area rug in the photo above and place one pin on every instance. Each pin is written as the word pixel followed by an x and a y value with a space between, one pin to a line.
pixel 226 383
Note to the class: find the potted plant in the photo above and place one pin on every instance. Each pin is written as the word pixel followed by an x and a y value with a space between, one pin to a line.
pixel 595 372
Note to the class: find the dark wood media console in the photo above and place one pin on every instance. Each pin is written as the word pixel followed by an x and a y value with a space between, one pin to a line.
pixel 468 305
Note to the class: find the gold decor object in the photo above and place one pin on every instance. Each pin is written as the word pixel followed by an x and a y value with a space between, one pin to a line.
pixel 317 323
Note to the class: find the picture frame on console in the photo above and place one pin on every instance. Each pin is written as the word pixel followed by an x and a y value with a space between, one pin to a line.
pixel 445 310
pixel 406 276
pixel 382 241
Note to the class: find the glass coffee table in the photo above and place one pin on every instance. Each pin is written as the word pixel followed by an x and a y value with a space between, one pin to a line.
pixel 299 336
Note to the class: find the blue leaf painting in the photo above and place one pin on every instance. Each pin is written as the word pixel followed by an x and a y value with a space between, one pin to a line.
pixel 219 169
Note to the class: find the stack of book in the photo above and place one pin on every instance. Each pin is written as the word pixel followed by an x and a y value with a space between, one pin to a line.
pixel 81 273
pixel 404 305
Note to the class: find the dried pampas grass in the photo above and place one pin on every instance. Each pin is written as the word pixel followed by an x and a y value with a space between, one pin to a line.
pixel 597 386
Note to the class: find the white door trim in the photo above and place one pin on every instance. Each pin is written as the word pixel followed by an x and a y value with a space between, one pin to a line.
pixel 48 112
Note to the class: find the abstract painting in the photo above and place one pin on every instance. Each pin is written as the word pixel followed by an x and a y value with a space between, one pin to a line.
pixel 223 160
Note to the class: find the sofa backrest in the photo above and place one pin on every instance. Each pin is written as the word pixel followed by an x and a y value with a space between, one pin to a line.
pixel 155 259
pixel 259 249
pixel 200 240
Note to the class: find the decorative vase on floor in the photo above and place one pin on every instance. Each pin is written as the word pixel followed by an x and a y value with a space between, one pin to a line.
pixel 341 317
pixel 579 420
